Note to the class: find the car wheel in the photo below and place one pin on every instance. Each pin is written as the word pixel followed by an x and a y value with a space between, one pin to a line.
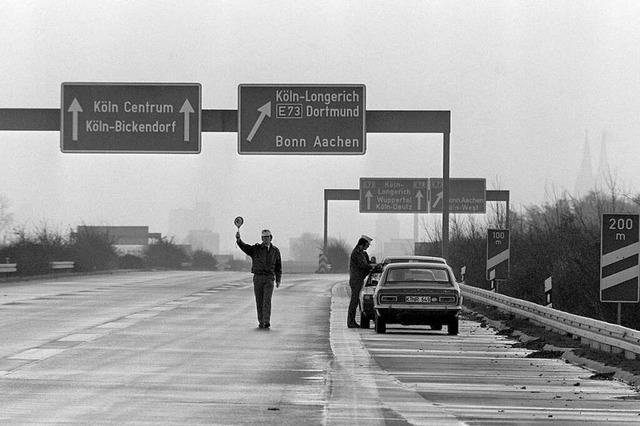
pixel 453 327
pixel 364 320
pixel 436 327
pixel 380 324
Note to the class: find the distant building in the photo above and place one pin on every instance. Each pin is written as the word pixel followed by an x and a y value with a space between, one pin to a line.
pixel 181 221
pixel 204 239
pixel 398 247
pixel 305 248
pixel 126 239
pixel 387 227
pixel 223 261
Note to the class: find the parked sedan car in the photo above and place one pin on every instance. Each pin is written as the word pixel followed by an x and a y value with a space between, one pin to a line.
pixel 370 283
pixel 417 294
pixel 413 258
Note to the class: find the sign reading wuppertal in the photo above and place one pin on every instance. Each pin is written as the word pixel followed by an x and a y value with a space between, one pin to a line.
pixel 131 117
pixel 301 119
pixel 498 253
pixel 619 258
pixel 394 195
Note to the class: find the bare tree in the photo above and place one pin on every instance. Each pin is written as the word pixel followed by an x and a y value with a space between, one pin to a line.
pixel 6 219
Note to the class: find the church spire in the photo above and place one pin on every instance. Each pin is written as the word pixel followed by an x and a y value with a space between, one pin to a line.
pixel 585 181
pixel 603 171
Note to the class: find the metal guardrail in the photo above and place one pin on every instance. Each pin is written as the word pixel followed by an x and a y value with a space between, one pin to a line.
pixel 62 264
pixel 6 268
pixel 597 334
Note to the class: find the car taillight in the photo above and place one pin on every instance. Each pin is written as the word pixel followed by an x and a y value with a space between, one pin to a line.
pixel 388 298
pixel 447 299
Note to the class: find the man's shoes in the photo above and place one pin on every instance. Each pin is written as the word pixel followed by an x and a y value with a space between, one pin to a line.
pixel 267 325
pixel 261 325
pixel 353 325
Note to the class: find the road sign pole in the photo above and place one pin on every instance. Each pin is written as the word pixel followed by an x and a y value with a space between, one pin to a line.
pixel 548 284
pixel 445 194
pixel 619 313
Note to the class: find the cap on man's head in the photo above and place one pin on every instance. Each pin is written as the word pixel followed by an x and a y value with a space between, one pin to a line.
pixel 266 233
pixel 369 239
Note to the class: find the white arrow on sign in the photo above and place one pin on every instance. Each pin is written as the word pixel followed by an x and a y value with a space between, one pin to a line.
pixel 368 196
pixel 438 199
pixel 75 108
pixel 186 109
pixel 419 196
pixel 265 110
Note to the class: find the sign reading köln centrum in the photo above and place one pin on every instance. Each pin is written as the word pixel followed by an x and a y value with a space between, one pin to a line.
pixel 130 117
pixel 301 119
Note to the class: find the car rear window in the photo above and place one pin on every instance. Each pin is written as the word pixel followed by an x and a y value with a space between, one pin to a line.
pixel 418 275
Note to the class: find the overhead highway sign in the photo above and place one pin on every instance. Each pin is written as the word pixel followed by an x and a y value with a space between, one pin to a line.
pixel 465 195
pixel 130 117
pixel 301 119
pixel 393 195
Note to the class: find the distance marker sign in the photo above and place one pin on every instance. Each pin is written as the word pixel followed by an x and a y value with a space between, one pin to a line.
pixel 130 117
pixel 619 258
pixel 301 119
pixel 498 253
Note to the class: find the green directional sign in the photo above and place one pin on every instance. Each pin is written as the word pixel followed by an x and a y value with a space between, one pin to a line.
pixel 466 195
pixel 393 195
pixel 130 117
pixel 301 119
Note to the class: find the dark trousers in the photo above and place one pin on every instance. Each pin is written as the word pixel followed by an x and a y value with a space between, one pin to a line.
pixel 356 286
pixel 263 289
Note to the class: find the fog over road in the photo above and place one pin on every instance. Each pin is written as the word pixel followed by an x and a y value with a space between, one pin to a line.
pixel 184 348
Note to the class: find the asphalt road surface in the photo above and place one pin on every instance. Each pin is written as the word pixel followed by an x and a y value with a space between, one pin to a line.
pixel 183 348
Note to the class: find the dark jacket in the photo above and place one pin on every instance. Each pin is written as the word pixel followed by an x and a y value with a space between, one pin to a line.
pixel 263 261
pixel 359 266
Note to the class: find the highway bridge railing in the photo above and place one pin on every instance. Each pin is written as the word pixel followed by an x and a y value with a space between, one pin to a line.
pixel 597 334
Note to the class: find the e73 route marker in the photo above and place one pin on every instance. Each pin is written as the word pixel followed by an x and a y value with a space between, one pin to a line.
pixel 301 119
pixel 130 117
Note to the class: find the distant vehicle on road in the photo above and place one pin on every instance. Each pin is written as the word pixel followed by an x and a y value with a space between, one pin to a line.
pixel 366 294
pixel 417 294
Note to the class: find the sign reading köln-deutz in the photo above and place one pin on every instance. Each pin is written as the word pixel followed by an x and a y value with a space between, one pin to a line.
pixel 301 119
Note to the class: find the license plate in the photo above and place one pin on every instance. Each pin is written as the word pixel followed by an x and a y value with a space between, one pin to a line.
pixel 418 299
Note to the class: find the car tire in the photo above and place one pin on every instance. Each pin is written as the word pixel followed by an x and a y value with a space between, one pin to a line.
pixel 436 327
pixel 380 324
pixel 452 328
pixel 365 322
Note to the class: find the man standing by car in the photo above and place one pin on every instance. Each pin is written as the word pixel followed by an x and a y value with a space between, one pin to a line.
pixel 359 268
pixel 266 265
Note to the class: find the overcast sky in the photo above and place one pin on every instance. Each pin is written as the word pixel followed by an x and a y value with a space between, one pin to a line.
pixel 524 81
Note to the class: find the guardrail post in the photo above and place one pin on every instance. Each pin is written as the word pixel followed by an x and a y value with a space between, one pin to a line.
pixel 463 272
pixel 547 292
pixel 492 279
